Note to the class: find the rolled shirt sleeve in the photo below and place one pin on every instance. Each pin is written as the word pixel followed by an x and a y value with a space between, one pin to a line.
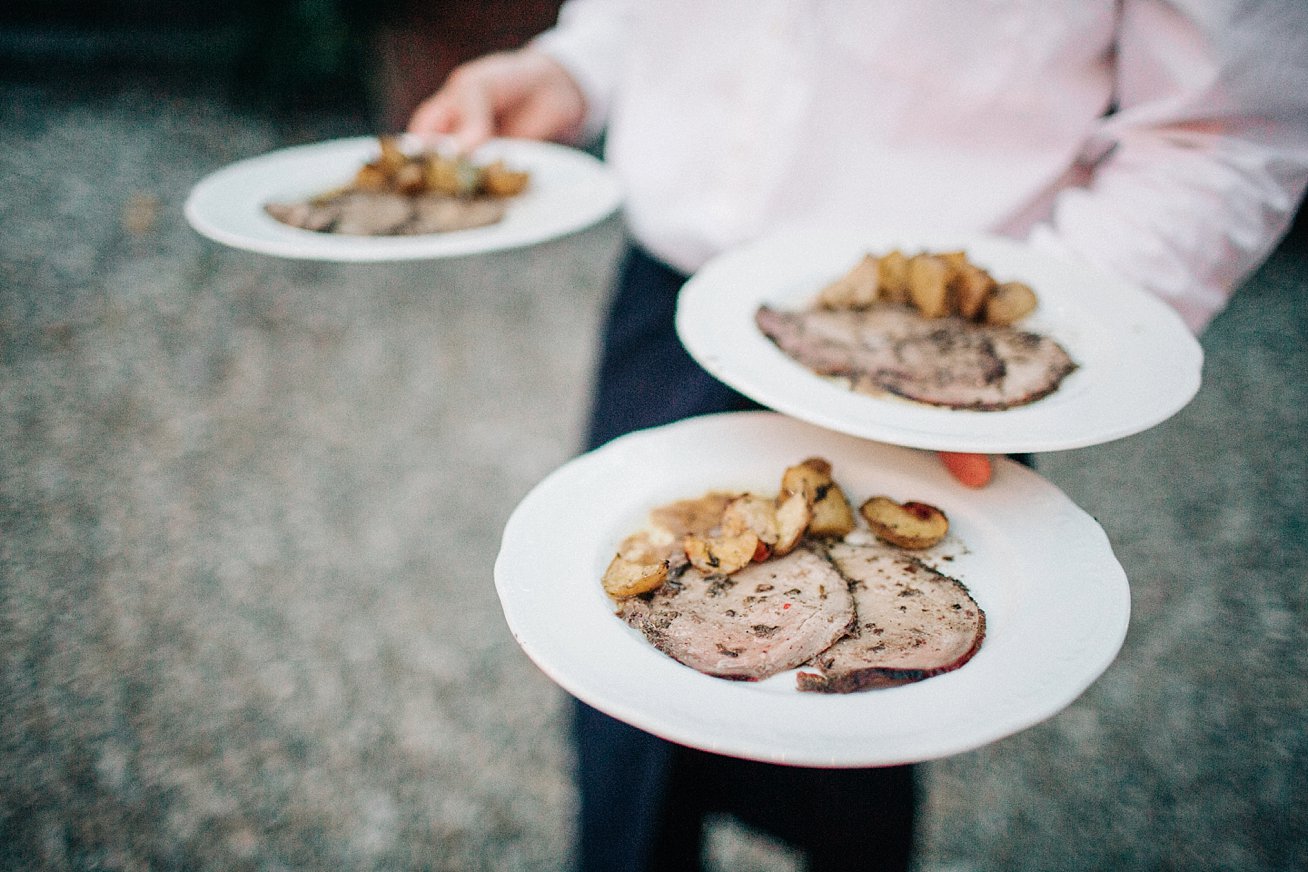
pixel 1197 173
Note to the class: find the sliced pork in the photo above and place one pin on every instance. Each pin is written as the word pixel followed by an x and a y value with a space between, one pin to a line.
pixel 381 213
pixel 940 361
pixel 764 619
pixel 912 622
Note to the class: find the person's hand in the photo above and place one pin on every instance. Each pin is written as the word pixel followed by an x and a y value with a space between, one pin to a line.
pixel 972 470
pixel 523 93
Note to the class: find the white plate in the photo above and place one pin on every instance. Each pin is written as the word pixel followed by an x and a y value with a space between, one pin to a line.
pixel 569 190
pixel 1055 597
pixel 1138 363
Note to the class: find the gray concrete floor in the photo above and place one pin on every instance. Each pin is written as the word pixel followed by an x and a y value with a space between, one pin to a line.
pixel 249 507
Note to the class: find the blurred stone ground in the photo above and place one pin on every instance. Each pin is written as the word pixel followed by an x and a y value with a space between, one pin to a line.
pixel 249 507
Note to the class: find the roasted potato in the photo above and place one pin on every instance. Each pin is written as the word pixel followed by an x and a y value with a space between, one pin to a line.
pixel 391 158
pixel 856 289
pixel 1010 303
pixel 793 515
pixel 937 284
pixel 972 287
pixel 911 525
pixel 699 516
pixel 752 513
pixel 432 173
pixel 453 176
pixel 838 295
pixel 649 545
pixel 893 270
pixel 408 179
pixel 807 477
pixel 928 285
pixel 500 181
pixel 831 514
pixel 627 578
pixel 725 554
pixel 370 177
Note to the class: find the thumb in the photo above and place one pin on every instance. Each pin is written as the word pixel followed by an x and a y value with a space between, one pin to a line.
pixel 972 470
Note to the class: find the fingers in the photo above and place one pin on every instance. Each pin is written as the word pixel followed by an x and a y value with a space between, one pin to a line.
pixel 433 116
pixel 971 470
pixel 519 94
pixel 461 110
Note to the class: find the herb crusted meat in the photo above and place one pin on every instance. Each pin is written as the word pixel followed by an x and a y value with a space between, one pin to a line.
pixel 746 586
pixel 862 616
pixel 755 623
pixel 913 622
pixel 371 213
pixel 947 362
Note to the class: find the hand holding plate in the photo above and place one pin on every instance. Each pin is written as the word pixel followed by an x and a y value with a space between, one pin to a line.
pixel 523 94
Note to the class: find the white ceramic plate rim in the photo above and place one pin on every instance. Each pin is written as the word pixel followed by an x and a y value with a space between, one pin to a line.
pixel 1056 599
pixel 569 191
pixel 1138 363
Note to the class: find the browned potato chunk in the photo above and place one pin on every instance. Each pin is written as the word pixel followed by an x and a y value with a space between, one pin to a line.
pixel 928 285
pixel 391 158
pixel 451 176
pixel 972 287
pixel 751 513
pixel 893 268
pixel 500 181
pixel 806 477
pixel 627 578
pixel 793 515
pixel 649 546
pixel 430 173
pixel 370 178
pixel 699 516
pixel 908 525
pixel 408 179
pixel 857 289
pixel 831 513
pixel 1010 303
pixel 838 295
pixel 721 555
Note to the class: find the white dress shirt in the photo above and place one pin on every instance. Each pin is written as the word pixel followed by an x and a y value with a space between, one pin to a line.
pixel 1164 141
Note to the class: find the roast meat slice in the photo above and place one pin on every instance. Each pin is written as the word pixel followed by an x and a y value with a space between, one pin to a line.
pixel 764 619
pixel 317 216
pixel 912 622
pixel 367 213
pixel 381 213
pixel 437 213
pixel 940 361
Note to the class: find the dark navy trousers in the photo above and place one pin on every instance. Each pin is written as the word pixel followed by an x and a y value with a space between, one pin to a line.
pixel 643 799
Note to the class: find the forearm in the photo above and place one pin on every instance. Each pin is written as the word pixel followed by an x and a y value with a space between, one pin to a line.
pixel 1189 223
